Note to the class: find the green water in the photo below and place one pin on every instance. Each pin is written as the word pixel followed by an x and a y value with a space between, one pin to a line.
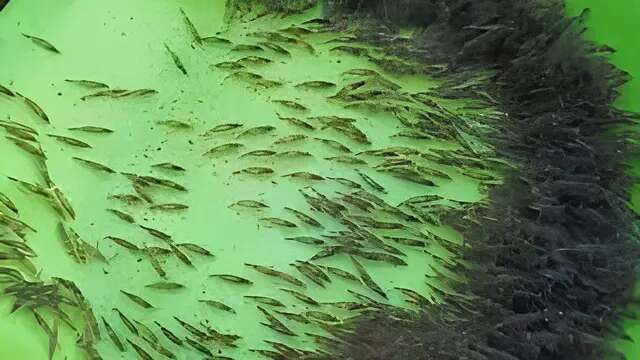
pixel 121 43
pixel 614 23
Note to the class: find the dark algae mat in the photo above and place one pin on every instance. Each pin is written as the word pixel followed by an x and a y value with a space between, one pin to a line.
pixel 311 180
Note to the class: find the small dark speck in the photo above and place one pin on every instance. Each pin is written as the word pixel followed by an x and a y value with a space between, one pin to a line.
pixel 123 34
pixel 190 142
pixel 339 61
pixel 158 149
pixel 131 18
pixel 59 94
pixel 204 292
pixel 93 224
pixel 139 259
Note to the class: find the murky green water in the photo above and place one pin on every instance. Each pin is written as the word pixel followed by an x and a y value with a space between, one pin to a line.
pixel 122 44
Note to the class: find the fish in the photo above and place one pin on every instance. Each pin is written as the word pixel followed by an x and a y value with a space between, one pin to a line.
pixel 169 166
pixel 156 233
pixel 19 246
pixel 289 139
pixel 274 47
pixel 223 128
pixel 122 215
pixel 275 273
pixel 295 153
pixel 190 328
pixel 310 272
pixel 165 285
pixel 176 124
pixel 296 122
pixel 112 335
pixel 17 125
pixel 265 300
pixel 291 104
pixel 35 108
pixel 5 90
pixel 195 249
pixel 156 265
pixel 414 296
pixel 20 133
pixel 6 201
pixel 215 40
pixel 198 346
pixel 127 323
pixel 274 323
pixel 322 316
pixel 305 218
pixel 309 240
pixel 51 333
pixel 155 345
pixel 42 43
pixel 180 255
pixel 247 47
pixel 302 297
pixel 223 149
pixel 176 59
pixel 376 186
pixel 127 198
pixel 328 251
pixel 406 241
pixel 304 175
pixel 137 299
pixel 228 65
pixel 137 92
pixel 95 165
pixel 163 182
pixel 88 83
pixel 233 279
pixel 141 352
pixel 334 144
pixel 92 129
pixel 169 206
pixel 26 146
pixel 258 130
pixel 317 21
pixel 192 28
pixel 15 224
pixel 293 316
pixel 113 93
pixel 124 243
pixel 351 50
pixel 255 170
pixel 296 30
pixel 346 182
pixel 279 222
pixel 156 250
pixel 351 160
pixel 258 153
pixel 269 354
pixel 254 60
pixel 218 305
pixel 169 335
pixel 341 273
pixel 361 72
pixel 250 204
pixel 316 85
pixel 366 278
pixel 377 256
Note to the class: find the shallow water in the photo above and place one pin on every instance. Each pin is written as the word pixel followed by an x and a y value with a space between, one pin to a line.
pixel 121 43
